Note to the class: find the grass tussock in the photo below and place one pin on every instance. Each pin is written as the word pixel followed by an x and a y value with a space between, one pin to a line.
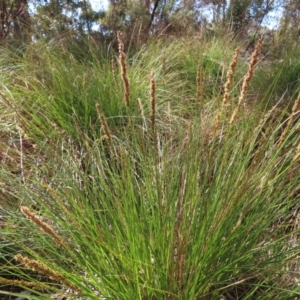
pixel 185 196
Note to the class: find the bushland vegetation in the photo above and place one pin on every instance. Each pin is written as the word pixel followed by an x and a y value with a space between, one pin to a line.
pixel 149 164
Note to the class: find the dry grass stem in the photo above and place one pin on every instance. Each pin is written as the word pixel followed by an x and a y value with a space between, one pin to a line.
pixel 123 68
pixel 295 110
pixel 114 71
pixel 24 135
pixel 247 78
pixel 142 112
pixel 104 125
pixel 141 108
pixel 297 154
pixel 230 74
pixel 23 283
pixel 42 269
pixel 164 62
pixel 139 34
pixel 228 85
pixel 152 100
pixel 265 118
pixel 169 114
pixel 45 227
pixel 199 82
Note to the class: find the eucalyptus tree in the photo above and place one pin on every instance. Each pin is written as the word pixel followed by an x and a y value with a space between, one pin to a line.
pixel 60 16
pixel 14 19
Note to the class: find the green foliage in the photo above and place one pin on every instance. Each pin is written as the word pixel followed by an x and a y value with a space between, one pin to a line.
pixel 281 77
pixel 126 16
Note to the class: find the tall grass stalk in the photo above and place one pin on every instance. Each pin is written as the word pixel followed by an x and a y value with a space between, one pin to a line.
pixel 228 85
pixel 152 101
pixel 104 125
pixel 199 83
pixel 123 67
pixel 247 79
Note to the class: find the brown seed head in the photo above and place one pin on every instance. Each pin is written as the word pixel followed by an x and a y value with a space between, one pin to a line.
pixel 44 226
pixel 123 67
pixel 247 78
pixel 42 269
